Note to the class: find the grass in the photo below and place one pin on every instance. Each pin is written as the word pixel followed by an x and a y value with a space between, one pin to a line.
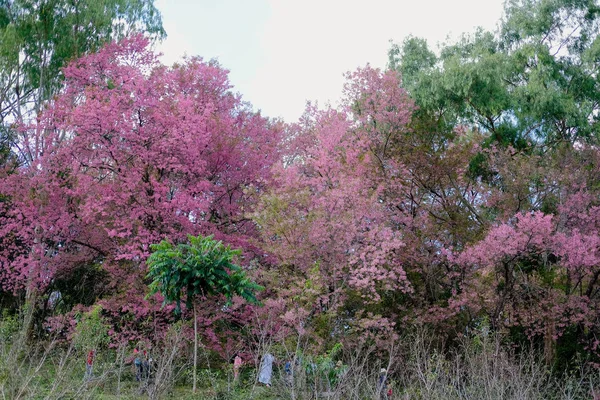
pixel 481 367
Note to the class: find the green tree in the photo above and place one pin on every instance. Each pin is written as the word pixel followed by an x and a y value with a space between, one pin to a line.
pixel 39 37
pixel 532 86
pixel 532 90
pixel 533 82
pixel 91 331
pixel 198 268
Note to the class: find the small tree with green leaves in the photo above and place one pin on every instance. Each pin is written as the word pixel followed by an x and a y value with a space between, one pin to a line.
pixel 201 267
pixel 91 331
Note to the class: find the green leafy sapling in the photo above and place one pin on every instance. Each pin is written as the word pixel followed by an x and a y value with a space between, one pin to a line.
pixel 200 267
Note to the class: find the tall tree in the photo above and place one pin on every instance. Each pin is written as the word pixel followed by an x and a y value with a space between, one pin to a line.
pixel 534 81
pixel 131 152
pixel 531 89
pixel 350 218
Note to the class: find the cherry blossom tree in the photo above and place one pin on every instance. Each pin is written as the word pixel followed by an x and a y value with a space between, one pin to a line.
pixel 330 218
pixel 131 152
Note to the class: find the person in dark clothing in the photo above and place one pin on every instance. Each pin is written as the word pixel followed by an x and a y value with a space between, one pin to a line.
pixel 140 361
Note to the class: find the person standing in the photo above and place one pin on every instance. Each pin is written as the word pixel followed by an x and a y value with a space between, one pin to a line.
pixel 237 363
pixel 146 365
pixel 138 363
pixel 266 369
pixel 289 373
pixel 89 364
pixel 382 383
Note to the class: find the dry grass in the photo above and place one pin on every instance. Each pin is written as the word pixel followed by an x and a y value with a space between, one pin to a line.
pixel 481 367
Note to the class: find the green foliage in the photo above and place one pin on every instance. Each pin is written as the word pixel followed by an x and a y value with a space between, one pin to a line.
pixel 200 267
pixel 9 326
pixel 91 331
pixel 535 81
pixel 51 33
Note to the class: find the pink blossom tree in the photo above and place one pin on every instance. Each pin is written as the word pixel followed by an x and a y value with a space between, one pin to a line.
pixel 131 152
pixel 330 218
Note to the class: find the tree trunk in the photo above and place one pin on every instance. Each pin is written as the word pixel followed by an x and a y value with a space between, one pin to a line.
pixel 195 349
pixel 549 343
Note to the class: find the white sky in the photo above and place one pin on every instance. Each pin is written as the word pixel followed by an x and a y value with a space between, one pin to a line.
pixel 282 53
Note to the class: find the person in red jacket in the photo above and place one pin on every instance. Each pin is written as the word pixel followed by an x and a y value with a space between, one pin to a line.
pixel 89 364
pixel 390 392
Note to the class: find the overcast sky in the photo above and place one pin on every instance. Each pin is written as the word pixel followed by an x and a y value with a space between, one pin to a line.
pixel 282 53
